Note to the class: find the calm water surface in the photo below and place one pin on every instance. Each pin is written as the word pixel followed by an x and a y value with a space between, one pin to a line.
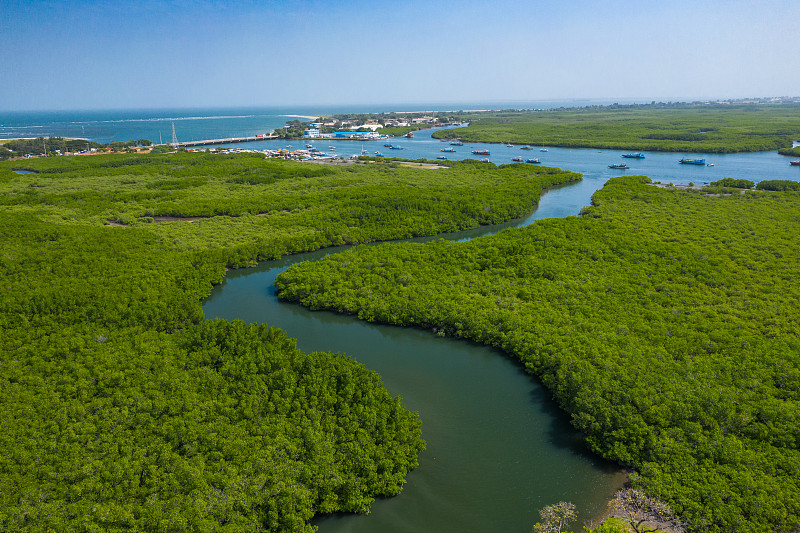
pixel 498 448
pixel 591 162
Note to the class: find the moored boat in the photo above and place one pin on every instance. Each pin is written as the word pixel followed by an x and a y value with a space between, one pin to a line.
pixel 516 159
pixel 637 155
pixel 795 163
pixel 485 160
pixel 687 161
pixel 441 157
pixel 481 152
pixel 447 150
pixel 619 166
pixel 533 161
pixel 526 148
pixel 543 149
pixel 388 145
pixel 410 135
pixel 456 143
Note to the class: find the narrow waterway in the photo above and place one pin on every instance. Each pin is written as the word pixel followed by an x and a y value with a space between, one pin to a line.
pixel 498 448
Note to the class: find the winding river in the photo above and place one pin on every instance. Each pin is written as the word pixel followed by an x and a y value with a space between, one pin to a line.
pixel 498 448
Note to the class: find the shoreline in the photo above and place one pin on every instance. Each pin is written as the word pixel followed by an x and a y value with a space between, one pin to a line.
pixel 309 117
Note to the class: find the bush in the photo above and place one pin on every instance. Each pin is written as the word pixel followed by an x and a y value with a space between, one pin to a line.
pixel 733 182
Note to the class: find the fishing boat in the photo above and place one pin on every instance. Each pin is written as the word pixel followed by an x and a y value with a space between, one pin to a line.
pixel 619 166
pixel 456 143
pixel 447 150
pixel 516 159
pixel 410 135
pixel 686 161
pixel 526 148
pixel 795 163
pixel 481 152
pixel 441 157
pixel 637 155
pixel 533 161
pixel 388 145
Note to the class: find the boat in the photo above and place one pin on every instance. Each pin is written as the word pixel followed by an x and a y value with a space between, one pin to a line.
pixel 686 161
pixel 447 150
pixel 441 157
pixel 388 145
pixel 396 148
pixel 516 159
pixel 533 161
pixel 637 155
pixel 331 148
pixel 509 145
pixel 308 146
pixel 526 148
pixel 378 154
pixel 795 163
pixel 410 135
pixel 456 143
pixel 619 166
pixel 543 150
pixel 485 160
pixel 710 165
pixel 481 152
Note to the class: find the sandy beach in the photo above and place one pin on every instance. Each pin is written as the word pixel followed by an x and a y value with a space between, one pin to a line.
pixel 308 117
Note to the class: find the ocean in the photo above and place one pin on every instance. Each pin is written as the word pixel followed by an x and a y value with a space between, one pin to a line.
pixel 214 123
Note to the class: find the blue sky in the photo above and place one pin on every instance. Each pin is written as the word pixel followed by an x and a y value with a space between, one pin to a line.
pixel 82 55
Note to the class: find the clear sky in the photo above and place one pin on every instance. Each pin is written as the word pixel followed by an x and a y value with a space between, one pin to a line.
pixel 102 55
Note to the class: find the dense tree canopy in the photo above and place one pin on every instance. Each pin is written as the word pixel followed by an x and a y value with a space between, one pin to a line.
pixel 683 128
pixel 121 409
pixel 664 321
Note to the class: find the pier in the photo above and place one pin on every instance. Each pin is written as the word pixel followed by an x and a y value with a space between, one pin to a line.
pixel 229 140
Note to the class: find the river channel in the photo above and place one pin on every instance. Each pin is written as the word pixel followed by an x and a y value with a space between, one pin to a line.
pixel 498 448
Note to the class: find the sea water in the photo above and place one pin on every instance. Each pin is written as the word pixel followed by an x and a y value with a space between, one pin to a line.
pixel 192 124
